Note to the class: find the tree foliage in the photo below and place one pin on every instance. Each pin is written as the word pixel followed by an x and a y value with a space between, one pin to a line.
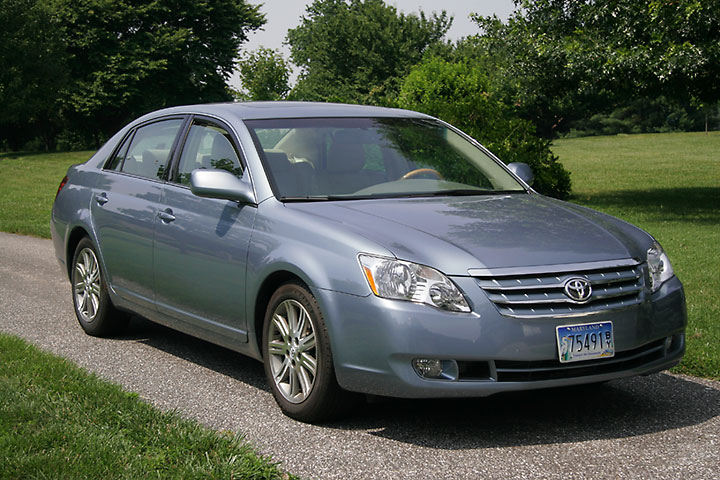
pixel 357 51
pixel 565 58
pixel 33 69
pixel 265 75
pixel 460 93
pixel 95 64
pixel 130 58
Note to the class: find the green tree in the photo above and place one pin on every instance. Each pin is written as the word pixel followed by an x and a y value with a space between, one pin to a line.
pixel 265 75
pixel 357 51
pixel 567 58
pixel 128 58
pixel 460 93
pixel 32 72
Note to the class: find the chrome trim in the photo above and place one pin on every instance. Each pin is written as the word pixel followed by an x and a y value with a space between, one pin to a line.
pixel 615 285
pixel 549 269
pixel 558 300
pixel 568 315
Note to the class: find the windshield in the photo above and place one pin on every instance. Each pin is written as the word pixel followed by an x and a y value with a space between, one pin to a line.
pixel 350 158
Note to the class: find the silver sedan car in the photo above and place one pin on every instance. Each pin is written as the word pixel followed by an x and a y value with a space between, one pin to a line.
pixel 359 250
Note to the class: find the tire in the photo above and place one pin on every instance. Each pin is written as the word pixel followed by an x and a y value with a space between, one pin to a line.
pixel 93 308
pixel 298 361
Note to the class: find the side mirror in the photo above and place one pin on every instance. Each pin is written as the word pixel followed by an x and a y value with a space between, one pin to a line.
pixel 220 184
pixel 523 171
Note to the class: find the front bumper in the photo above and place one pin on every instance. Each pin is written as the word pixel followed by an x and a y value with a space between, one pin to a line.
pixel 374 341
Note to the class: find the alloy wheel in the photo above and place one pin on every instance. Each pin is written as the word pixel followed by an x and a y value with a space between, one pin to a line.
pixel 292 351
pixel 87 285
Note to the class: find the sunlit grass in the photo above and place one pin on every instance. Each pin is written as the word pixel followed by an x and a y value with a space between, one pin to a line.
pixel 58 421
pixel 29 184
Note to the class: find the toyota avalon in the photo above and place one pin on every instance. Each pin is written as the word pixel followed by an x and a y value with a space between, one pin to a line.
pixel 359 250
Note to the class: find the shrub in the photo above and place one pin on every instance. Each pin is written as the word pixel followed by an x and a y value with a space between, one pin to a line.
pixel 460 93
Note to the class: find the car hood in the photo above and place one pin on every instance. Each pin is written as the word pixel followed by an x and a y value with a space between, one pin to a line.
pixel 454 234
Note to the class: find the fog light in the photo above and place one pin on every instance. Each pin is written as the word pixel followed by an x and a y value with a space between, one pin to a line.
pixel 668 343
pixel 428 367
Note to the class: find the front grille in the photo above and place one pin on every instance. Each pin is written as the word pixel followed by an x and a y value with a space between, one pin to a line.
pixel 513 371
pixel 537 293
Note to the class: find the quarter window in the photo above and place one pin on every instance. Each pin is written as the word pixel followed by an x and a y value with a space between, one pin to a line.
pixel 146 153
pixel 116 161
pixel 208 146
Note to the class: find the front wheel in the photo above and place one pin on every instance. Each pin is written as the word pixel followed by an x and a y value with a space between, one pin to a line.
pixel 93 308
pixel 298 360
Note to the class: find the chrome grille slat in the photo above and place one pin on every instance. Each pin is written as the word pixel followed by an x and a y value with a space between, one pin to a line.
pixel 519 294
pixel 559 297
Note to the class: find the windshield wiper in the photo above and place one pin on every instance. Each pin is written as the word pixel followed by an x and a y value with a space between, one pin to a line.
pixel 306 198
pixel 470 192
pixel 442 193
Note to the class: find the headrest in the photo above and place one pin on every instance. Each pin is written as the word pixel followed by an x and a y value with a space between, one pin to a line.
pixel 154 156
pixel 222 149
pixel 277 160
pixel 346 154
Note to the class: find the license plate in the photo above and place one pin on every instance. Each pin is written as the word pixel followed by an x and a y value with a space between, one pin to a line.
pixel 585 342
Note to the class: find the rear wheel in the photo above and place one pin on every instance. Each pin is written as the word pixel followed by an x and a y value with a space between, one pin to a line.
pixel 93 308
pixel 298 360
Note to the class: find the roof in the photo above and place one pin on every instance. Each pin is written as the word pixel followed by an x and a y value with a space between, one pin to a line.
pixel 267 110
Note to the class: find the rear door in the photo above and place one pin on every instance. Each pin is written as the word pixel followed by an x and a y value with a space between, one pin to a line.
pixel 201 244
pixel 125 206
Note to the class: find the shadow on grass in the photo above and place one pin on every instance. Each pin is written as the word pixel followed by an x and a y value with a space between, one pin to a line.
pixel 80 155
pixel 618 409
pixel 697 205
pixel 15 155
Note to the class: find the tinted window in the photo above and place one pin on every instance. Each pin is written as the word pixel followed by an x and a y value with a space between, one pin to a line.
pixel 207 146
pixel 146 153
pixel 116 161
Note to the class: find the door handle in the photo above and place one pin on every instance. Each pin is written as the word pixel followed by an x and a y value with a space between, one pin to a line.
pixel 101 199
pixel 166 215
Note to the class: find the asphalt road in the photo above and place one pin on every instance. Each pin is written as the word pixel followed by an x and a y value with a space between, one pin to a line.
pixel 662 426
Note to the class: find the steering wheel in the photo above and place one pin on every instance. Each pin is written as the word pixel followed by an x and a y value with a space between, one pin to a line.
pixel 421 171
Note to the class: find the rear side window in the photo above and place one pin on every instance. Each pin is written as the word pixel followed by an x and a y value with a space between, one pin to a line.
pixel 208 146
pixel 146 152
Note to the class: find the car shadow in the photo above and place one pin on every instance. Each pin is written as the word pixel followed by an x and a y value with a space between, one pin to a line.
pixel 620 408
pixel 617 409
pixel 219 359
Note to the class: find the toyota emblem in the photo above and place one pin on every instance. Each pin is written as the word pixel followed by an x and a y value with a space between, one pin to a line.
pixel 578 289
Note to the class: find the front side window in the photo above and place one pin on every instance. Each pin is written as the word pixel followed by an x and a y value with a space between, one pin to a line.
pixel 146 152
pixel 208 146
pixel 348 158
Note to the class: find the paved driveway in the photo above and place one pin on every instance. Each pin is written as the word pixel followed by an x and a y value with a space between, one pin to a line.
pixel 662 426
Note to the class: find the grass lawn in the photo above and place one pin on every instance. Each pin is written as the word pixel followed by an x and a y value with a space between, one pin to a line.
pixel 30 181
pixel 58 421
pixel 669 185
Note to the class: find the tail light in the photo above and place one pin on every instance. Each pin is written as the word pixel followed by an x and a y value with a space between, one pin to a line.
pixel 62 184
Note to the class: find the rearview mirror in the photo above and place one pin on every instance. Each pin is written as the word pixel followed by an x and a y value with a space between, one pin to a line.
pixel 220 184
pixel 523 171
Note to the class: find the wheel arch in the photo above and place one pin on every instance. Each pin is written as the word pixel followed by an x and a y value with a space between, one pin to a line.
pixel 269 285
pixel 73 238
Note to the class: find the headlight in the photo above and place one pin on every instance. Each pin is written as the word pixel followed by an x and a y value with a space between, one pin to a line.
pixel 658 266
pixel 400 280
